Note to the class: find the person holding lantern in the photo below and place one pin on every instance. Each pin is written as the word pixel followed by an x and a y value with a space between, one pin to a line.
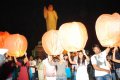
pixel 51 17
pixel 99 62
pixel 82 62
pixel 7 68
pixel 61 65
pixel 116 59
pixel 49 70
pixel 24 64
pixel 112 64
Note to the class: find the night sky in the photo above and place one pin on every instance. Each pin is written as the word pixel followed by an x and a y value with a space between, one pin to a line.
pixel 26 16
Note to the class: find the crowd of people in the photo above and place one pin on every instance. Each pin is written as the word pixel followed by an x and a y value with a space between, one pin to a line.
pixel 104 65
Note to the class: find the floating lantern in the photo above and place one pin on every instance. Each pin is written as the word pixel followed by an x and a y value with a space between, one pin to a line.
pixel 108 29
pixel 51 43
pixel 3 36
pixel 16 45
pixel 73 36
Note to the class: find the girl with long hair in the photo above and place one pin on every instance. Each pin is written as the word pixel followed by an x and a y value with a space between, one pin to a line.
pixel 81 62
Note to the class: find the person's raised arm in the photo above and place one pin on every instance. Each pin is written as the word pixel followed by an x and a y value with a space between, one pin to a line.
pixel 18 63
pixel 45 12
pixel 107 50
pixel 114 53
pixel 26 58
pixel 15 59
pixel 87 58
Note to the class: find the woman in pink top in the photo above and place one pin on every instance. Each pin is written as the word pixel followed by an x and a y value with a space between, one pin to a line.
pixel 23 74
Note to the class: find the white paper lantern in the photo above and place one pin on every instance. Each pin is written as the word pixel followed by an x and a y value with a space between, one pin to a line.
pixel 73 36
pixel 108 29
pixel 51 43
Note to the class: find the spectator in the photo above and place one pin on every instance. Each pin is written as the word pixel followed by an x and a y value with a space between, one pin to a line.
pixel 23 74
pixel 99 62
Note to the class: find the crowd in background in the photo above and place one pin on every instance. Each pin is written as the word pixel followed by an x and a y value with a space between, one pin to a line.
pixel 103 65
pixel 80 65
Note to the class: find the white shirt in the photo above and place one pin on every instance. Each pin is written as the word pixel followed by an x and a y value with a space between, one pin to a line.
pixel 100 61
pixel 50 69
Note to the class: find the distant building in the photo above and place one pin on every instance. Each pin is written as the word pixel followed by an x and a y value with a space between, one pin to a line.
pixel 38 51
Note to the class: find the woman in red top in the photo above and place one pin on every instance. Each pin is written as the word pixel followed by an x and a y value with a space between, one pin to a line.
pixel 23 74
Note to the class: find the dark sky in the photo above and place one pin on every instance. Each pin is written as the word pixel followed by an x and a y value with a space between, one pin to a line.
pixel 26 16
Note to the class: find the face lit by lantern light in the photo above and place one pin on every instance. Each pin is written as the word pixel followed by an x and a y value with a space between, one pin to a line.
pixel 96 50
pixel 80 54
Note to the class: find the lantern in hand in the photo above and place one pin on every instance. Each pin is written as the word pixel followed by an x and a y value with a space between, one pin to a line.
pixel 3 36
pixel 73 36
pixel 16 45
pixel 108 29
pixel 51 43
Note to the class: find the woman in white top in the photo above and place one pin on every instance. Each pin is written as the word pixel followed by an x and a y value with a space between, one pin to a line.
pixel 40 67
pixel 49 70
pixel 82 62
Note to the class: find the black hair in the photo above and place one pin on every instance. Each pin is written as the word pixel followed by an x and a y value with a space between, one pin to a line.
pixel 23 63
pixel 83 59
pixel 56 58
pixel 95 45
pixel 21 59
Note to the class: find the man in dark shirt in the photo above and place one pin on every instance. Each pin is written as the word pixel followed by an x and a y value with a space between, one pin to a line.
pixel 116 64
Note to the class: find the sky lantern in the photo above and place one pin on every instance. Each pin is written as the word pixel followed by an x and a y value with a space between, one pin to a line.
pixel 73 36
pixel 108 29
pixel 51 43
pixel 16 45
pixel 3 36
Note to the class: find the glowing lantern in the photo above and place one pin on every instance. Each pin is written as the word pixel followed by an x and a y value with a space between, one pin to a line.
pixel 73 36
pixel 16 45
pixel 51 43
pixel 108 29
pixel 3 36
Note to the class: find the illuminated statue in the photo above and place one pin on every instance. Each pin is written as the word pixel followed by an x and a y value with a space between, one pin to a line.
pixel 51 17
